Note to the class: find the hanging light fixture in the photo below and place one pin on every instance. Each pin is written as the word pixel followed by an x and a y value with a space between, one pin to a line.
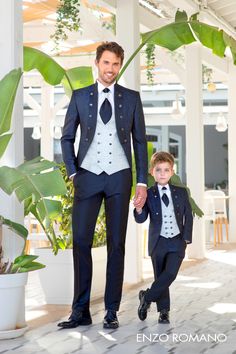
pixel 221 124
pixel 177 109
pixel 36 132
pixel 211 87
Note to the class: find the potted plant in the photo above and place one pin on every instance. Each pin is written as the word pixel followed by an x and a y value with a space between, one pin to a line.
pixel 35 182
pixel 13 278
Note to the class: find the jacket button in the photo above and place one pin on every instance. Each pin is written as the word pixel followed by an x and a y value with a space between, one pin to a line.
pixel 90 104
pixel 89 128
pixel 90 115
pixel 86 139
pixel 120 105
pixel 125 141
pixel 91 93
pixel 156 213
pixel 121 117
pixel 122 129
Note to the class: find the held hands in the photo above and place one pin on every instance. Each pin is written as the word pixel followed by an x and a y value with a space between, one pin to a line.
pixel 140 198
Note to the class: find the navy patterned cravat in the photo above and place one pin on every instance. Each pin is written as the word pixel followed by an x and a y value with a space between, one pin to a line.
pixel 164 197
pixel 106 110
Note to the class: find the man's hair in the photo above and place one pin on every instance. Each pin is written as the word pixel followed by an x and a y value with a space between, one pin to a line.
pixel 111 47
pixel 160 157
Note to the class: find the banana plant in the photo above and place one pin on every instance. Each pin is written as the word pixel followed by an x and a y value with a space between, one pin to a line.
pixel 22 263
pixel 184 31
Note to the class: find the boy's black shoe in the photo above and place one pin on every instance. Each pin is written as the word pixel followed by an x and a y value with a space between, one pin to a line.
pixel 164 316
pixel 110 320
pixel 143 306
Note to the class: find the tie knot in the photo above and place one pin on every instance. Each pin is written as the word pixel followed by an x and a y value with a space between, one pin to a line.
pixel 106 90
pixel 164 189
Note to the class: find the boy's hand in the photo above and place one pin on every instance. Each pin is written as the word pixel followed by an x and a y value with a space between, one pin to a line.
pixel 139 210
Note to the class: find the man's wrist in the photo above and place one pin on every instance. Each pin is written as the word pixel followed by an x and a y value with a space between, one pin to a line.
pixel 142 184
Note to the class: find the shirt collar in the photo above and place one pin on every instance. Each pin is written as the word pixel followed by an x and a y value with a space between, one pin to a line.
pixel 160 187
pixel 101 87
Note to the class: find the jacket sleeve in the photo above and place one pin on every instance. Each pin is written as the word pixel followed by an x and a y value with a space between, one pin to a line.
pixel 140 218
pixel 188 220
pixel 140 142
pixel 71 124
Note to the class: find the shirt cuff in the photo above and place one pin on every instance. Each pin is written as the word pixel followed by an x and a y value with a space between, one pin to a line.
pixel 73 174
pixel 142 184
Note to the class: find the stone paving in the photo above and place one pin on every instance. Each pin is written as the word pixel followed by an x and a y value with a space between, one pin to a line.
pixel 203 318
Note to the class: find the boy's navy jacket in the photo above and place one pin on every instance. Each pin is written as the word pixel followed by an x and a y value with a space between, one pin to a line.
pixel 152 207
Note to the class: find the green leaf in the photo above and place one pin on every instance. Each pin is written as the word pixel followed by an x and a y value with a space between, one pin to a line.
pixel 24 259
pixel 176 181
pixel 76 78
pixel 30 267
pixel 15 227
pixel 4 140
pixel 52 207
pixel 210 36
pixel 40 185
pixel 194 17
pixel 34 185
pixel 231 43
pixel 8 88
pixel 9 179
pixel 25 263
pixel 36 165
pixel 171 36
pixel 51 71
pixel 181 16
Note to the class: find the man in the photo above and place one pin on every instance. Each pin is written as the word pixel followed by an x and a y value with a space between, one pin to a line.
pixel 108 115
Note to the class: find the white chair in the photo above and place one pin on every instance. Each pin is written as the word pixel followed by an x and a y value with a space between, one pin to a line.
pixel 215 210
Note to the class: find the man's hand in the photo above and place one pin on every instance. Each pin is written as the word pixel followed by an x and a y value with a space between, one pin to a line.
pixel 140 197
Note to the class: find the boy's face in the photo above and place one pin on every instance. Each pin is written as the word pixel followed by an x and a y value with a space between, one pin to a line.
pixel 162 172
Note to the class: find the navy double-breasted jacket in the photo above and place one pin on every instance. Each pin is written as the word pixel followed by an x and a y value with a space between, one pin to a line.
pixel 82 111
pixel 152 208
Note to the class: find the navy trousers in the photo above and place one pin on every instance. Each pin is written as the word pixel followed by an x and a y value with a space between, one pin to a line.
pixel 166 260
pixel 90 190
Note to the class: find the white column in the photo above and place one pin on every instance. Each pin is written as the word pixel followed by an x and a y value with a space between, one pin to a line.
pixel 231 151
pixel 195 143
pixel 47 106
pixel 11 38
pixel 128 36
pixel 11 30
pixel 165 138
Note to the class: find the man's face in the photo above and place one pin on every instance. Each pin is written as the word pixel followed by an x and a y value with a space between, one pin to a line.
pixel 162 172
pixel 108 67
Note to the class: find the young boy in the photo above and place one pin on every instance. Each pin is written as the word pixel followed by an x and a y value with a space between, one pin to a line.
pixel 170 229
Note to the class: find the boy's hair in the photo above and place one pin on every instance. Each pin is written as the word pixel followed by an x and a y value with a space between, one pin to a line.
pixel 161 156
pixel 112 47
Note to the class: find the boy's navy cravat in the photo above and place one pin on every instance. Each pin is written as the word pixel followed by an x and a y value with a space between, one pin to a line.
pixel 106 110
pixel 164 197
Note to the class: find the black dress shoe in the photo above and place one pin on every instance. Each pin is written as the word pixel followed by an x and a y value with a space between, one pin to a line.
pixel 143 306
pixel 81 319
pixel 164 316
pixel 111 320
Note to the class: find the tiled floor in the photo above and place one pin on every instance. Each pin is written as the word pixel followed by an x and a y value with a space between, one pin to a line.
pixel 203 317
